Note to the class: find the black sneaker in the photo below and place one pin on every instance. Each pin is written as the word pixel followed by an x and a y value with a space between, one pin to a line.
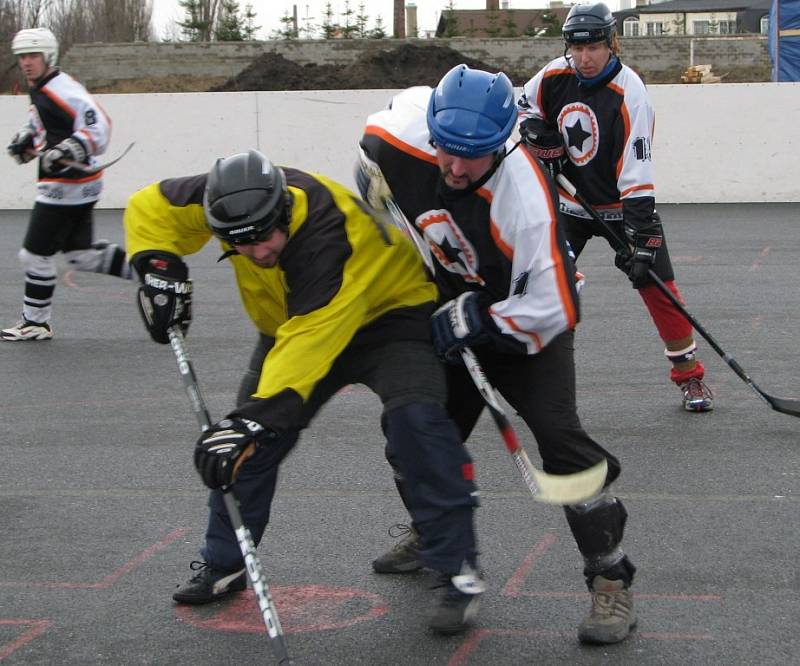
pixel 209 584
pixel 404 557
pixel 459 602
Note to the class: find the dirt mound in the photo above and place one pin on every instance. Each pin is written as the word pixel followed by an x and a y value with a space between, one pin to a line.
pixel 401 67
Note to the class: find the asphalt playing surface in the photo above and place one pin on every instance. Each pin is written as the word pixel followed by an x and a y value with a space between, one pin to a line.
pixel 101 510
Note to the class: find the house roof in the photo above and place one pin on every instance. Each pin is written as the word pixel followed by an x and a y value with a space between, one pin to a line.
pixel 480 19
pixel 691 6
pixel 748 13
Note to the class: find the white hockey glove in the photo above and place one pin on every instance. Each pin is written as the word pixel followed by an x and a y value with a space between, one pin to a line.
pixel 21 146
pixel 68 149
pixel 371 183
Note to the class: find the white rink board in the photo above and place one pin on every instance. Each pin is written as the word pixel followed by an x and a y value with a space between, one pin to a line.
pixel 713 143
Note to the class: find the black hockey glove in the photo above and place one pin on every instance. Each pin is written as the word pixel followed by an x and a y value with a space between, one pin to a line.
pixel 21 146
pixel 457 324
pixel 165 297
pixel 544 142
pixel 644 243
pixel 68 149
pixel 223 448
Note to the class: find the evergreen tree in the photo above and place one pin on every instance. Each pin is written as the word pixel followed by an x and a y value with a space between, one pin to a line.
pixel 361 22
pixel 229 24
pixel 329 28
pixel 287 30
pixel 379 31
pixel 195 27
pixel 350 27
pixel 450 20
pixel 249 28
pixel 551 24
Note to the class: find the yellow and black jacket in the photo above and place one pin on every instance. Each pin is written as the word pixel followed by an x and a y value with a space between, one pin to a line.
pixel 340 272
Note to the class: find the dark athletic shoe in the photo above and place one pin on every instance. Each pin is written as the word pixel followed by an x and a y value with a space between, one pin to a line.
pixel 404 557
pixel 458 604
pixel 209 584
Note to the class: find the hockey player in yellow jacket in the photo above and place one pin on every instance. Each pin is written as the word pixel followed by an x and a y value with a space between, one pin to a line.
pixel 338 298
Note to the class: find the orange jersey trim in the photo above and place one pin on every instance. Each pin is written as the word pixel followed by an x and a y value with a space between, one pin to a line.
pixel 401 145
pixel 60 102
pixel 72 181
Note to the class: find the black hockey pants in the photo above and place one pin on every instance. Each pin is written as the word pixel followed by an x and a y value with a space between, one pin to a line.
pixel 423 445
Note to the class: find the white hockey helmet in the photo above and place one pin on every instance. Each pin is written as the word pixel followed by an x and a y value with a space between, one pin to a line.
pixel 36 40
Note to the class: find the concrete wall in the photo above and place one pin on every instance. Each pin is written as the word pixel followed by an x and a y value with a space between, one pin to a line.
pixel 713 143
pixel 661 60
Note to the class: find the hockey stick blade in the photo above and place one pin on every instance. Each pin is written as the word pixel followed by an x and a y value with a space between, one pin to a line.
pixel 544 487
pixel 789 406
pixel 255 572
pixel 90 170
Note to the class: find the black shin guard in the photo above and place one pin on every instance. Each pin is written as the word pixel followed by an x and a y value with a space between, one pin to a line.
pixel 598 527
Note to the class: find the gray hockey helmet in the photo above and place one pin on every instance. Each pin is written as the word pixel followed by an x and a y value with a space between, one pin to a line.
pixel 586 24
pixel 246 198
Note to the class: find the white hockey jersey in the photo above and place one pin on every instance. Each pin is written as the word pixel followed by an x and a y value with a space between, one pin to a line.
pixel 503 239
pixel 62 108
pixel 607 130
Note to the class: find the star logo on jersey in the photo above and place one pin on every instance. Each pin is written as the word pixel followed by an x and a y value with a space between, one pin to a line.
pixel 576 135
pixel 449 244
pixel 579 126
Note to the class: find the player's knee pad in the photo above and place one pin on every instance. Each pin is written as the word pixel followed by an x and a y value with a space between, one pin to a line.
pixel 598 526
pixel 37 264
pixel 88 259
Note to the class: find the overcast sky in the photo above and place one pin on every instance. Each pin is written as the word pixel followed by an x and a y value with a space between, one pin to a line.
pixel 269 12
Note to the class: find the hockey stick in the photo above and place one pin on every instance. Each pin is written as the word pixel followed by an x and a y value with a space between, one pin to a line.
pixel 788 406
pixel 255 572
pixel 89 169
pixel 544 487
pixel 548 488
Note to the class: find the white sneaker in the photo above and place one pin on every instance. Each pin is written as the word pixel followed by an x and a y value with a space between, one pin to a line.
pixel 27 330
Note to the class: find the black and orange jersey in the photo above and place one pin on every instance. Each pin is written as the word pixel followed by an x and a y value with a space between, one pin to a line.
pixel 607 130
pixel 341 271
pixel 62 108
pixel 502 239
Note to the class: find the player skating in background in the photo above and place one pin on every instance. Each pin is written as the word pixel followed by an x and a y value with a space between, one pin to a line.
pixel 64 123
pixel 590 116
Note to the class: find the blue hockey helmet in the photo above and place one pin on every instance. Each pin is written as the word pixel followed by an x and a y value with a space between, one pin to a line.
pixel 471 112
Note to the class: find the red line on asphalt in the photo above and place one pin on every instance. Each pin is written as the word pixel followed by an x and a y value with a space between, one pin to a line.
pixel 511 588
pixel 114 576
pixel 302 608
pixel 36 627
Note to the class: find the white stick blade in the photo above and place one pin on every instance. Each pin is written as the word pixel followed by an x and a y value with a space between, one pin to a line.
pixel 569 488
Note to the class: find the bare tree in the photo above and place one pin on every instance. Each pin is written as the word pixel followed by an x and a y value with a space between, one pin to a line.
pixel 80 21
